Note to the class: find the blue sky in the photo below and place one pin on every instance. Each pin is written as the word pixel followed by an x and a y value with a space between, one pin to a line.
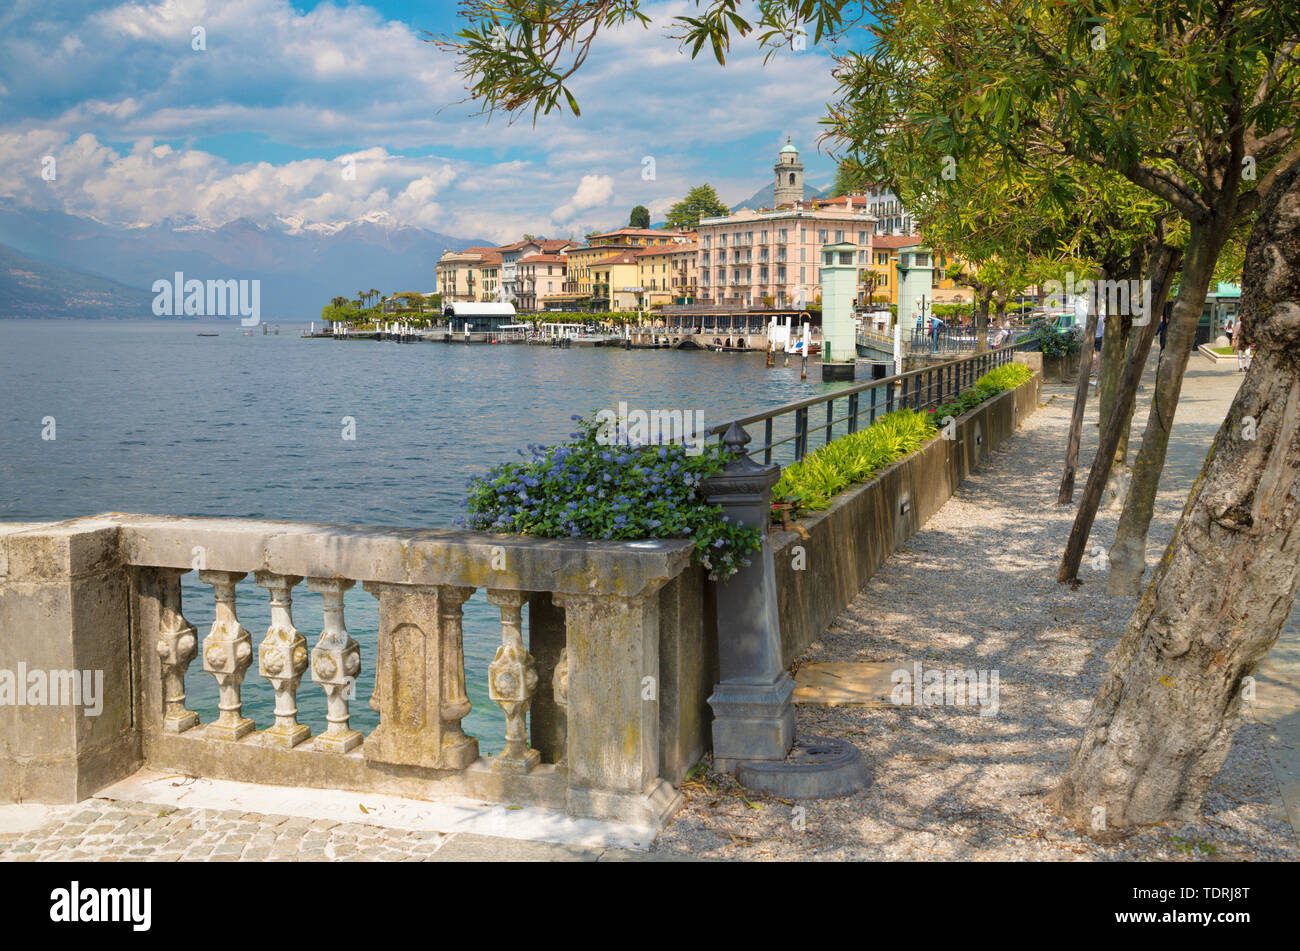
pixel 288 100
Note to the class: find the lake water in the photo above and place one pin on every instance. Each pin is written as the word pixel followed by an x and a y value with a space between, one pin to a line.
pixel 150 418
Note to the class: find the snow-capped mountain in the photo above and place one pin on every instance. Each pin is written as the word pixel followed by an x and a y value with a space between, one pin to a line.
pixel 300 265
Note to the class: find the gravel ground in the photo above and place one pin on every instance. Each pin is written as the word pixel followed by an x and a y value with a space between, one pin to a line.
pixel 976 589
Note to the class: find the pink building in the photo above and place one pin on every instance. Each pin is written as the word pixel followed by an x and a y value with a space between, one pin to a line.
pixel 771 256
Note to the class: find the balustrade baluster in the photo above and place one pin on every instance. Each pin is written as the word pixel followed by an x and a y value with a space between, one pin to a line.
pixel 282 659
pixel 512 680
pixel 335 664
pixel 177 647
pixel 227 655
pixel 420 678
pixel 560 693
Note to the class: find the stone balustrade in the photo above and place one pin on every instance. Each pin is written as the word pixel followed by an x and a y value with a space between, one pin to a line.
pixel 611 629
pixel 607 661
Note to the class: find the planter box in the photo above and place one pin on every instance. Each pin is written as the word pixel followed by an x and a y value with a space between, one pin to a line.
pixel 867 523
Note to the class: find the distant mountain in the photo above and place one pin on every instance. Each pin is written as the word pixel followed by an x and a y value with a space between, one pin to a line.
pixel 300 266
pixel 33 289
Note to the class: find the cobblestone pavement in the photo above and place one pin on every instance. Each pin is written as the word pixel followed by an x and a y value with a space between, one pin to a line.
pixel 122 831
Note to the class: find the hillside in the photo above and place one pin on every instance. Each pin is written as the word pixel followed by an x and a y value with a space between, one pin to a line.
pixel 34 289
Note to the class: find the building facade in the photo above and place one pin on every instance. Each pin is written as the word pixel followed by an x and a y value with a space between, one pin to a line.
pixel 614 282
pixel 540 281
pixel 669 275
pixel 513 253
pixel 772 258
pixel 891 216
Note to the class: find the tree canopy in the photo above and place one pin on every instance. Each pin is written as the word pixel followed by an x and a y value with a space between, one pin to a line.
pixel 700 202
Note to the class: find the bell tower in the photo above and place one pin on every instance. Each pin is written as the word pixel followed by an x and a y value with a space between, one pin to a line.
pixel 789 175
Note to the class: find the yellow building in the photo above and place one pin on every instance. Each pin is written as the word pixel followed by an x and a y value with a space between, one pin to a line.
pixel 668 274
pixel 469 275
pixel 614 282
pixel 880 278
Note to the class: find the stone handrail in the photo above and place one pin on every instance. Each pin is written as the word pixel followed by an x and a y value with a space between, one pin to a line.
pixel 105 593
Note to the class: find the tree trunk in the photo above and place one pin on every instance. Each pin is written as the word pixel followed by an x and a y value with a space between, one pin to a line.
pixel 1118 480
pixel 1162 724
pixel 1128 554
pixel 982 321
pixel 1066 492
pixel 1125 397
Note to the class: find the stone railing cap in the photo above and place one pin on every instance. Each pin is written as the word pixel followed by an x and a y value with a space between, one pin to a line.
pixel 394 555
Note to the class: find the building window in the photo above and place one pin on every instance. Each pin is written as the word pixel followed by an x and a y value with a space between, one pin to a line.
pixel 839 237
pixel 782 235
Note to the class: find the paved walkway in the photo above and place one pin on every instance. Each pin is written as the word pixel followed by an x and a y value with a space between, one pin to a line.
pixel 974 589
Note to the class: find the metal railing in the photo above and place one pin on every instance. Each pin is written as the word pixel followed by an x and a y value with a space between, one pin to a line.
pixel 789 430
pixel 953 338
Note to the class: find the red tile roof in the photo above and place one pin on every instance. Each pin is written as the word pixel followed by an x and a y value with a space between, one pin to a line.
pixel 889 242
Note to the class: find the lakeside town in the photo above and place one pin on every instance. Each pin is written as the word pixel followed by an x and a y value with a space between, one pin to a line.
pixel 732 281
pixel 987 561
pixel 747 261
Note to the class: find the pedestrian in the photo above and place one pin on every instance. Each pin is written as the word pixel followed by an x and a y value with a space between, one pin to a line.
pixel 1243 352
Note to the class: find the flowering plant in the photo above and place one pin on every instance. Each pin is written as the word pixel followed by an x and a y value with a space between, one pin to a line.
pixel 594 488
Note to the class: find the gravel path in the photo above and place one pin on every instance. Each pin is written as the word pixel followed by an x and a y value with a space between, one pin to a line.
pixel 976 589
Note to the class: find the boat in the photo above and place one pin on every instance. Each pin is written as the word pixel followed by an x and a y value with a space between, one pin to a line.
pixel 209 335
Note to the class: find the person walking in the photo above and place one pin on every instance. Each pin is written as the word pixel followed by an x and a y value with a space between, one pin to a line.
pixel 1243 352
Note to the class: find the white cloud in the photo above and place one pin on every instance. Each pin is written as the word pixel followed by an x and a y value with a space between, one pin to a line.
pixel 340 78
pixel 593 191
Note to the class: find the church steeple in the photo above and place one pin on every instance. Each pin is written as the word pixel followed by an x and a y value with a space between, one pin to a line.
pixel 789 175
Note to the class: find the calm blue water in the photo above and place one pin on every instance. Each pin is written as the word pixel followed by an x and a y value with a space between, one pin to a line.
pixel 151 418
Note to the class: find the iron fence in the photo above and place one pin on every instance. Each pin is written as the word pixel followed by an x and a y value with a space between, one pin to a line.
pixel 789 430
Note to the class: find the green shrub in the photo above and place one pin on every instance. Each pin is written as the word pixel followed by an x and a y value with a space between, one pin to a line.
pixel 998 380
pixel 812 482
pixel 821 475
pixel 1006 377
pixel 1052 341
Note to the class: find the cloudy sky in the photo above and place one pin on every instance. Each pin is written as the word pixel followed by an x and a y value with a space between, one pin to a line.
pixel 288 100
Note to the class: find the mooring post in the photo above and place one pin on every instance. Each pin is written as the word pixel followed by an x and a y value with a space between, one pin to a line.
pixel 752 707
